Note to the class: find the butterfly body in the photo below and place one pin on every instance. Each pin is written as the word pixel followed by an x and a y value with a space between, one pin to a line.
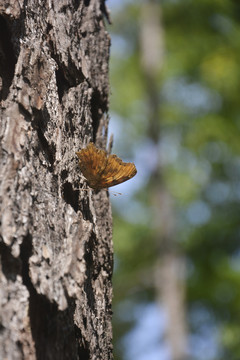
pixel 102 170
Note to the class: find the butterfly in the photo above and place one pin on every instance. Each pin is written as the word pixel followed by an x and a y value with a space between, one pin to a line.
pixel 102 170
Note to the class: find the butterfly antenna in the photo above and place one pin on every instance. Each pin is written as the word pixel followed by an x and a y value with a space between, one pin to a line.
pixel 116 193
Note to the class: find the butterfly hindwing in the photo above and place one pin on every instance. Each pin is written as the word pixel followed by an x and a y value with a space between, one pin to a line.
pixel 116 171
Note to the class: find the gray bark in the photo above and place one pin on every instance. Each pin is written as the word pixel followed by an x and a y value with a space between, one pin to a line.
pixel 55 240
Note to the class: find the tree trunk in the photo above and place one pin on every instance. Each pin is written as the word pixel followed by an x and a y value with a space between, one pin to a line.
pixel 56 240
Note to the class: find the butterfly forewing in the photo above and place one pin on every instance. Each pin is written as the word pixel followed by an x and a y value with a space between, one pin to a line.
pixel 101 170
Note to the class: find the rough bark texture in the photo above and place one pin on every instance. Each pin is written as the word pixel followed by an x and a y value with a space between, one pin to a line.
pixel 55 240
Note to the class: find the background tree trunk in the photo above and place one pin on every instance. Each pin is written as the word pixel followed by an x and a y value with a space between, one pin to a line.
pixel 56 246
pixel 170 267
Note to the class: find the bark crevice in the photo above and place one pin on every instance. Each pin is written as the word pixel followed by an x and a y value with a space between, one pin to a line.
pixel 71 196
pixel 8 57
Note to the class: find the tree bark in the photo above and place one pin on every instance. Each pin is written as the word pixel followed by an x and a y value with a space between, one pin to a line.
pixel 56 240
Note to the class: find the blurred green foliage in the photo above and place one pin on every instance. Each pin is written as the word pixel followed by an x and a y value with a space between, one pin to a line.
pixel 199 115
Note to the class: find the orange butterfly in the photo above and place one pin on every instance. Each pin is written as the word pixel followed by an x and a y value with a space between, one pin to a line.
pixel 102 170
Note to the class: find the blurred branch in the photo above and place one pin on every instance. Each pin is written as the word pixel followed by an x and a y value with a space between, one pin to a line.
pixel 152 59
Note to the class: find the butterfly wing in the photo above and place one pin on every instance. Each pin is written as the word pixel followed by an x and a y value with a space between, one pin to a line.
pixel 92 162
pixel 101 170
pixel 116 172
